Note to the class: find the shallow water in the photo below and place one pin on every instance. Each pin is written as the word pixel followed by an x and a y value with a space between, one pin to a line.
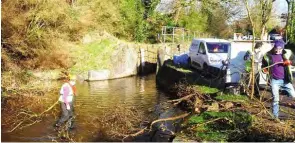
pixel 94 100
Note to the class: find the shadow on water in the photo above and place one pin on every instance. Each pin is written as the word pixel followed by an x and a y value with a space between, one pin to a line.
pixel 146 68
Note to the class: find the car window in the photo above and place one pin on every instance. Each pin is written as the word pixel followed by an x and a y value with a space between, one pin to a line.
pixel 194 46
pixel 202 48
pixel 217 47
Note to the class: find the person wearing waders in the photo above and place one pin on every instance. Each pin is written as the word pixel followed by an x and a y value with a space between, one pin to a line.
pixel 280 74
pixel 67 92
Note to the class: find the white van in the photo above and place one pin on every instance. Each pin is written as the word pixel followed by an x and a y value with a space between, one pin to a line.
pixel 237 62
pixel 208 54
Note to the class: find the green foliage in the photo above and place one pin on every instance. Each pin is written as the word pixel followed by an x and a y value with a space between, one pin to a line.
pixel 207 90
pixel 232 98
pixel 196 119
pixel 155 23
pixel 32 28
pixel 194 21
pixel 213 136
pixel 93 56
pixel 179 68
pixel 132 12
pixel 291 26
pixel 217 16
pixel 226 124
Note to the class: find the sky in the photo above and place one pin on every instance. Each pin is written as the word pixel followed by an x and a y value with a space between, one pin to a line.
pixel 280 6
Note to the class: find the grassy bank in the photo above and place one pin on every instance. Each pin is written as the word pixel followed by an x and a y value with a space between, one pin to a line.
pixel 217 116
pixel 93 56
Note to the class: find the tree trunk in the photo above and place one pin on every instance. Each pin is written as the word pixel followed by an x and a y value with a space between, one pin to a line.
pixel 288 17
pixel 266 8
pixel 292 21
pixel 263 33
pixel 253 42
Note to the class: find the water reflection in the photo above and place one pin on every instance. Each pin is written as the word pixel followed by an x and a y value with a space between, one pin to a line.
pixel 93 100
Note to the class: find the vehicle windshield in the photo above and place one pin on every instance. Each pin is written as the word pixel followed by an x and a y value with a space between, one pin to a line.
pixel 217 47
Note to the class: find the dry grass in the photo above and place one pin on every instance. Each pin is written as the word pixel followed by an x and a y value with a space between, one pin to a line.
pixel 14 113
pixel 31 29
pixel 119 122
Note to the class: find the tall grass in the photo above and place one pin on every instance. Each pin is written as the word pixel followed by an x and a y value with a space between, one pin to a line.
pixel 31 28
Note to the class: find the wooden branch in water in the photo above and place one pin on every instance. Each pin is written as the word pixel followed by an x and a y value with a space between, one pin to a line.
pixel 48 109
pixel 16 126
pixel 31 116
pixel 159 120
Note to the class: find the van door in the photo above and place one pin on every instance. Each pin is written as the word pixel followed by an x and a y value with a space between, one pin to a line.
pixel 193 52
pixel 201 55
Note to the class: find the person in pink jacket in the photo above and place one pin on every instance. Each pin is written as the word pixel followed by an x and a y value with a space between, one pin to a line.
pixel 66 98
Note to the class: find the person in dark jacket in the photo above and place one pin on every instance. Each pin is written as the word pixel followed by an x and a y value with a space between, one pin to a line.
pixel 280 74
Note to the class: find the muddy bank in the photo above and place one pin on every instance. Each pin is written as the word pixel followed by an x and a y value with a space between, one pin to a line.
pixel 169 75
pixel 216 118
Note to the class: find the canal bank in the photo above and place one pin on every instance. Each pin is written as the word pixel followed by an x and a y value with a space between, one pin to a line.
pixel 217 116
pixel 31 92
pixel 110 110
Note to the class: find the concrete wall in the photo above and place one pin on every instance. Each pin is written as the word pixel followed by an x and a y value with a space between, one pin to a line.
pixel 132 59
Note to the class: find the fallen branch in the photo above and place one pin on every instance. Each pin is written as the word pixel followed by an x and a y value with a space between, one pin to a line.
pixel 170 119
pixel 261 103
pixel 288 112
pixel 159 120
pixel 210 121
pixel 181 99
pixel 31 116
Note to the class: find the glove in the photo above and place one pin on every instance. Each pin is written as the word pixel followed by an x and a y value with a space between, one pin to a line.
pixel 68 106
pixel 265 71
pixel 287 63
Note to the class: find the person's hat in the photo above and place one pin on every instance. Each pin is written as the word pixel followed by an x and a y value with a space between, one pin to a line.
pixel 72 77
pixel 279 44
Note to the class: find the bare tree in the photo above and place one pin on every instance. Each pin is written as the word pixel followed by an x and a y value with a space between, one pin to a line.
pixel 266 9
pixel 289 24
pixel 288 13
pixel 253 42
